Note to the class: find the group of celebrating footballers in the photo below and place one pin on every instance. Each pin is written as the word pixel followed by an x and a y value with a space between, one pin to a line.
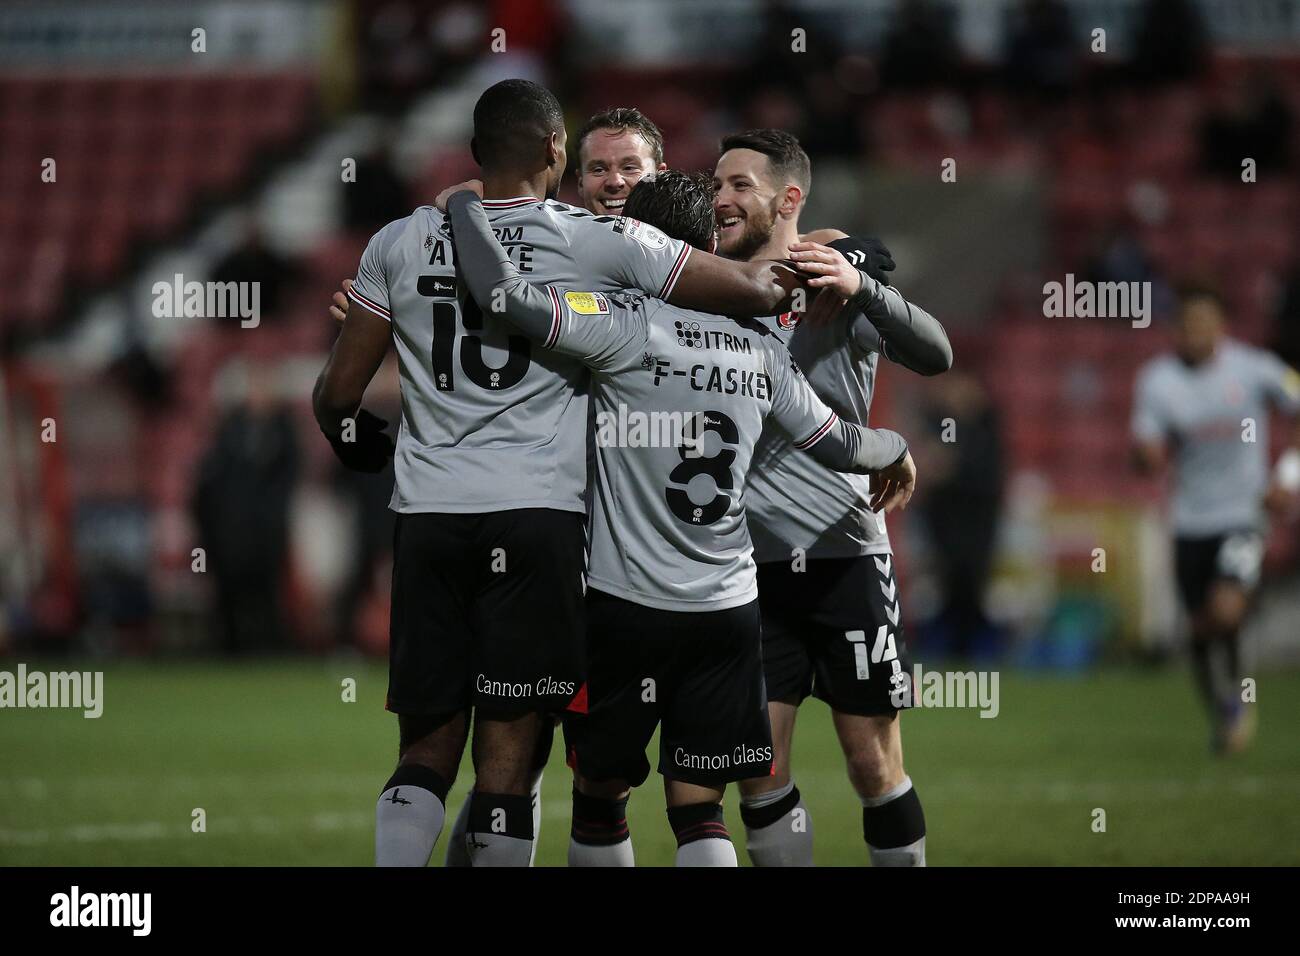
pixel 636 489
pixel 584 391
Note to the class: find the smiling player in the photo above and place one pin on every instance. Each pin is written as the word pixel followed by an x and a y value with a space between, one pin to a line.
pixel 826 582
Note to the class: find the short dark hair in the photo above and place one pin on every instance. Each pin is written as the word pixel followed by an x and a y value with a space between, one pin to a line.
pixel 1202 288
pixel 785 157
pixel 623 118
pixel 681 204
pixel 509 120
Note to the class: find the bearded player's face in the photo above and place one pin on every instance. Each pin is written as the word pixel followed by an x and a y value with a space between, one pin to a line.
pixel 744 203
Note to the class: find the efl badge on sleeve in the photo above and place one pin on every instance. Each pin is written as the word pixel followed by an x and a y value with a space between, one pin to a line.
pixel 587 303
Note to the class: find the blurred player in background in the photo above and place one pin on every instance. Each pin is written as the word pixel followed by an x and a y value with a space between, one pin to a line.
pixel 672 601
pixel 1205 410
pixel 827 588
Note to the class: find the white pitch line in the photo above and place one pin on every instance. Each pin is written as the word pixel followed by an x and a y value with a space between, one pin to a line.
pixel 39 788
pixel 158 830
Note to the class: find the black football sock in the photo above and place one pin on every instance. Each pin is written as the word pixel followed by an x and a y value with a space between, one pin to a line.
pixel 599 835
pixel 893 825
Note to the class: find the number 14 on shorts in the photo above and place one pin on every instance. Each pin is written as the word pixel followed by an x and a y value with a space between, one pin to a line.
pixel 882 650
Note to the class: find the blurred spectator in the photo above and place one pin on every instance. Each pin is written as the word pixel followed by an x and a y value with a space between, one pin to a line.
pixel 964 502
pixel 1170 43
pixel 920 50
pixel 812 91
pixel 254 261
pixel 534 27
pixel 378 196
pixel 831 128
pixel 1250 119
pixel 1119 256
pixel 398 55
pixel 149 382
pixel 1041 58
pixel 241 506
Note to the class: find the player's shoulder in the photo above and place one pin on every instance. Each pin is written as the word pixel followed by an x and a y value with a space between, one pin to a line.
pixel 581 221
pixel 1243 353
pixel 824 236
pixel 573 217
pixel 395 228
pixel 1158 368
pixel 558 208
pixel 419 216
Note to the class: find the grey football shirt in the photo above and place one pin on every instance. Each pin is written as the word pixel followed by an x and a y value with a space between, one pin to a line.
pixel 680 399
pixel 795 502
pixel 490 421
pixel 1205 412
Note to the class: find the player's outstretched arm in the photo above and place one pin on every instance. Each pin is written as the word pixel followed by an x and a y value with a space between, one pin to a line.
pixel 543 313
pixel 1149 424
pixel 710 283
pixel 1283 492
pixel 886 322
pixel 905 333
pixel 492 278
pixel 814 428
pixel 857 450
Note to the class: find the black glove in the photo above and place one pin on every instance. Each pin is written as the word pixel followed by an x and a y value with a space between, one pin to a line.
pixel 869 255
pixel 369 449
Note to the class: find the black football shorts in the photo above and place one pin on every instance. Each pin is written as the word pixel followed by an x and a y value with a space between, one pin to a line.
pixel 487 612
pixel 695 675
pixel 834 630
pixel 1199 562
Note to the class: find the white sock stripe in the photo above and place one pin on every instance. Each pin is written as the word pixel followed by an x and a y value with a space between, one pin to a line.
pixel 769 797
pixel 884 798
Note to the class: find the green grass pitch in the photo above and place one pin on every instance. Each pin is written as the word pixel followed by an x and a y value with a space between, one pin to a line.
pixel 287 774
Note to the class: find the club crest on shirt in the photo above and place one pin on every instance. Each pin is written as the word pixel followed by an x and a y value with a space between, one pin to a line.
pixel 788 320
pixel 647 235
